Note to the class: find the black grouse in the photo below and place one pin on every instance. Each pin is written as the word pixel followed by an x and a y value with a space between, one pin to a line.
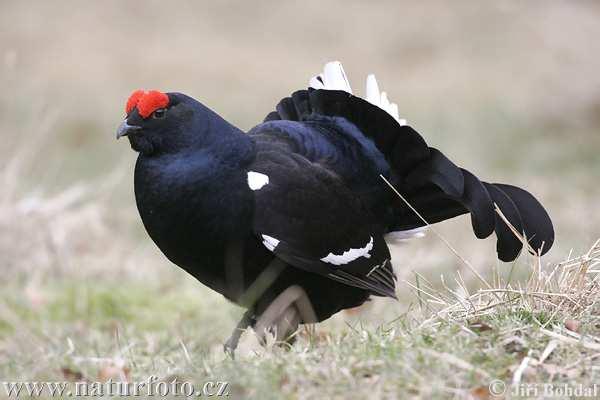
pixel 289 219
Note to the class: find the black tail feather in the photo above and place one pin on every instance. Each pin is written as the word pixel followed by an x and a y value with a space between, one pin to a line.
pixel 508 246
pixel 431 183
pixel 401 145
pixel 479 203
pixel 441 172
pixel 301 102
pixel 537 224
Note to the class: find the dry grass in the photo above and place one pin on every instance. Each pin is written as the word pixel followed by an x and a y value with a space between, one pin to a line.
pixel 569 288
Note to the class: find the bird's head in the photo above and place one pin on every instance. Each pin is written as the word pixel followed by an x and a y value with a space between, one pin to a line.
pixel 159 123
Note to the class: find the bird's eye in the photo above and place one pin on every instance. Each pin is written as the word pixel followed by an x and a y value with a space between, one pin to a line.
pixel 160 113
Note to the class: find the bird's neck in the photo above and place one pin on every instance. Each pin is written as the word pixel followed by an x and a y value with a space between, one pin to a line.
pixel 225 140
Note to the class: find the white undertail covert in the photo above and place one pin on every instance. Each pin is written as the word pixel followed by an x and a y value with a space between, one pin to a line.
pixel 334 77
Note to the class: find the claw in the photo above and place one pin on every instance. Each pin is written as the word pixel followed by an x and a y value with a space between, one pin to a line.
pixel 229 349
pixel 232 343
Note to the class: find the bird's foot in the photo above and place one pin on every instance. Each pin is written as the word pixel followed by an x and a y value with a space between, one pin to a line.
pixel 229 348
pixel 232 343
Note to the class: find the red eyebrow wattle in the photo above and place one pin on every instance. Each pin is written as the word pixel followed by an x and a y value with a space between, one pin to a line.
pixel 133 100
pixel 146 102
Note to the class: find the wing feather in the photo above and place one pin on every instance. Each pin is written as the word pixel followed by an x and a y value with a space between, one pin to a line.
pixel 307 217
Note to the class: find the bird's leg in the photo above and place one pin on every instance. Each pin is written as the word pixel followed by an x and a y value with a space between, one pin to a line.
pixel 232 343
pixel 286 325
pixel 284 314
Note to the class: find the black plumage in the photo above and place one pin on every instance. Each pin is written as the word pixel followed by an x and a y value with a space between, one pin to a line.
pixel 298 201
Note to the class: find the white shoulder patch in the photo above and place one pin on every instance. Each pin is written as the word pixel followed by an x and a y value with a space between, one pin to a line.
pixel 270 242
pixel 334 78
pixel 256 180
pixel 349 255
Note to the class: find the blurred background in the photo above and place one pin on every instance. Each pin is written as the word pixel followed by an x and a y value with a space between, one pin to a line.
pixel 509 90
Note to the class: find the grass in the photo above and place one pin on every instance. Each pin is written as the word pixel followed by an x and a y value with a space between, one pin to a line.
pixel 103 330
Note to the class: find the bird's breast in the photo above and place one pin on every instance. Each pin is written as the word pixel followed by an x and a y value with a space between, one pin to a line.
pixel 192 213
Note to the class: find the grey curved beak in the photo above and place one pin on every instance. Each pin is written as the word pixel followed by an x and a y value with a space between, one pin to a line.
pixel 125 129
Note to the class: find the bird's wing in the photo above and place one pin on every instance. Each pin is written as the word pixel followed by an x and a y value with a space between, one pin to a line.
pixel 307 217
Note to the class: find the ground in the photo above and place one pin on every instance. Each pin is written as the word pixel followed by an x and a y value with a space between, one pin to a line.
pixel 509 91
